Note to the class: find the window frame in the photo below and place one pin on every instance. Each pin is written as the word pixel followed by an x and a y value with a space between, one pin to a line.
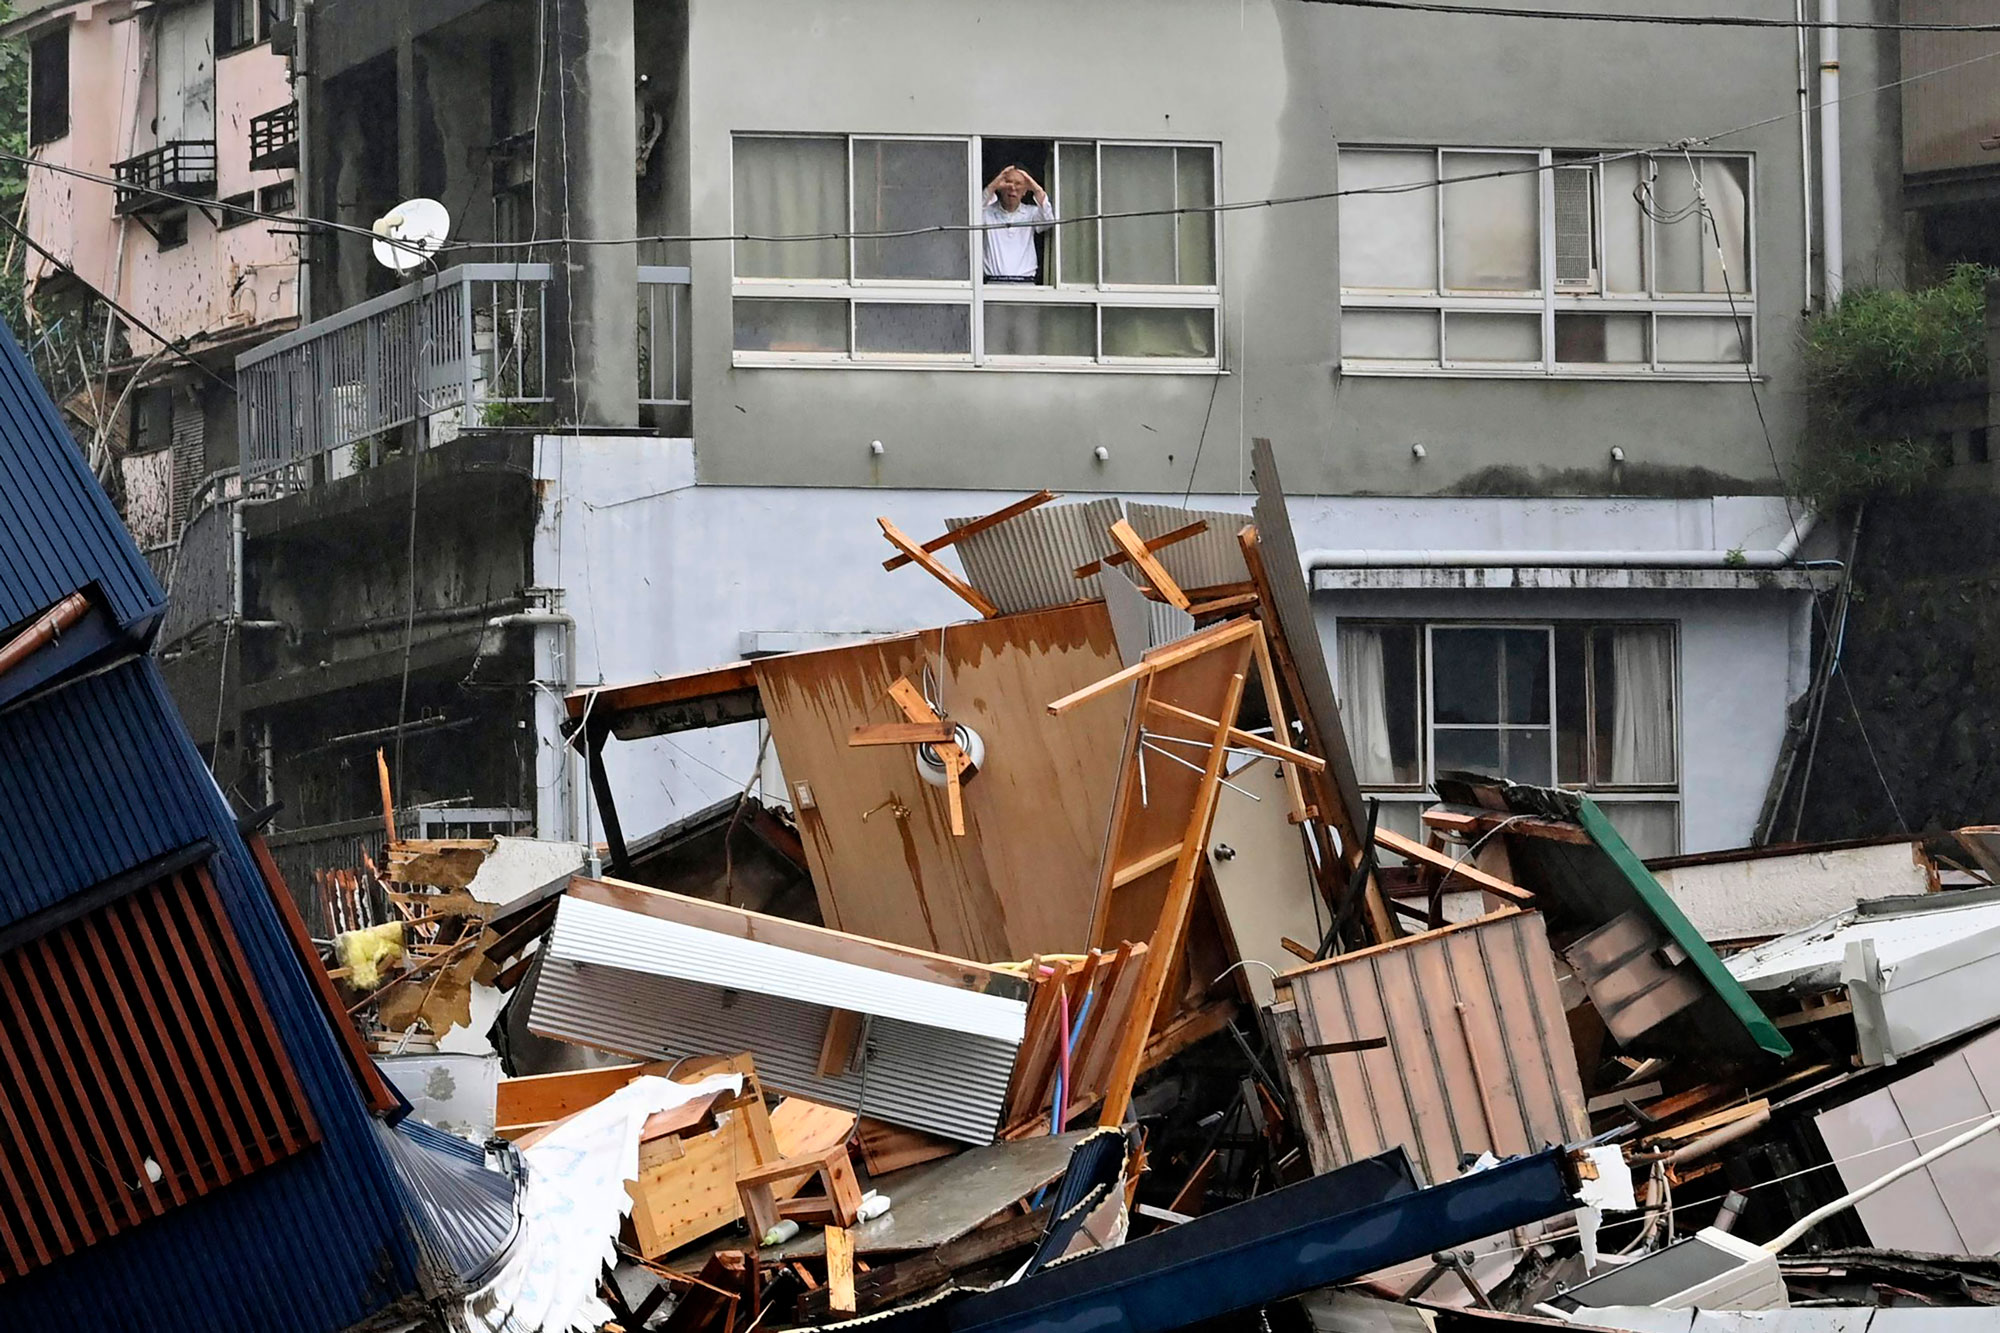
pixel 1419 794
pixel 974 292
pixel 246 12
pixel 37 133
pixel 1739 305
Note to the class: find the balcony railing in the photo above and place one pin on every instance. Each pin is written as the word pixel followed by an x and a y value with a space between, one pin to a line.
pixel 179 166
pixel 274 139
pixel 465 348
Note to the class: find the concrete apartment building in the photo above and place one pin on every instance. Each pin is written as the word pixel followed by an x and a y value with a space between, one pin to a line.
pixel 1522 412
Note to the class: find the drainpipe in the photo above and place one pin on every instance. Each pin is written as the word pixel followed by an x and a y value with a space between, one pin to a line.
pixel 556 813
pixel 42 630
pixel 1832 239
pixel 1776 558
pixel 1805 152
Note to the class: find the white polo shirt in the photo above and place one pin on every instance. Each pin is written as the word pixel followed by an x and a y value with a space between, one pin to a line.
pixel 1010 240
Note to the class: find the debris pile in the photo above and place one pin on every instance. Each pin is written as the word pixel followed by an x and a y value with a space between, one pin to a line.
pixel 1111 1000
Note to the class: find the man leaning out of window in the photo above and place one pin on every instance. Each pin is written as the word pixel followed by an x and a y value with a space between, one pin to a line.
pixel 1011 228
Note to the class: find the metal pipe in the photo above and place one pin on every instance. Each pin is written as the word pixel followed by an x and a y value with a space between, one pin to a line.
pixel 1721 1138
pixel 42 630
pixel 1832 234
pixel 1791 1234
pixel 1805 154
pixel 1777 557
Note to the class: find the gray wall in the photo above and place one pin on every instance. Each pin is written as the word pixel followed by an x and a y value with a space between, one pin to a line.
pixel 1279 85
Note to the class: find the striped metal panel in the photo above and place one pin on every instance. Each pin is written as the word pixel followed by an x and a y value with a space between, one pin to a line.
pixel 595 932
pixel 58 532
pixel 133 1041
pixel 1205 560
pixel 95 779
pixel 467 1214
pixel 943 1082
pixel 1478 1056
pixel 1030 561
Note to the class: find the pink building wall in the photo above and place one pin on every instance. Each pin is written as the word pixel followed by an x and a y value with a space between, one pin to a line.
pixel 223 284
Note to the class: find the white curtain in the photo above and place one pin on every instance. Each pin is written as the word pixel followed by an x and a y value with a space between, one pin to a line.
pixel 1364 709
pixel 790 187
pixel 1642 704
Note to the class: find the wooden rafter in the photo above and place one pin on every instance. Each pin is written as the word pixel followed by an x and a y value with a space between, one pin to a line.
pixel 1159 543
pixel 970 595
pixel 1148 564
pixel 977 525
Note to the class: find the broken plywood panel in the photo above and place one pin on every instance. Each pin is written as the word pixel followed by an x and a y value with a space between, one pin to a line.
pixel 879 840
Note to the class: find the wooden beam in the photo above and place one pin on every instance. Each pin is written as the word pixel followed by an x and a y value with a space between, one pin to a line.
pixel 796 935
pixel 839 1270
pixel 388 802
pixel 1412 850
pixel 965 592
pixel 1156 574
pixel 977 525
pixel 729 678
pixel 1312 763
pixel 1159 659
pixel 836 1048
pixel 1159 543
pixel 1164 949
pixel 1144 866
pixel 902 733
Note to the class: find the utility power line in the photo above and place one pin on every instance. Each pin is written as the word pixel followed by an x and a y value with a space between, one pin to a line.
pixel 1664 20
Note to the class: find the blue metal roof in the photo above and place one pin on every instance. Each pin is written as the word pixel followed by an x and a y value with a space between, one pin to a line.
pixel 58 531
pixel 466 1212
pixel 96 778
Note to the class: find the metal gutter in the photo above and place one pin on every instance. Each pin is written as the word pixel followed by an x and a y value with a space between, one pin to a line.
pixel 1784 553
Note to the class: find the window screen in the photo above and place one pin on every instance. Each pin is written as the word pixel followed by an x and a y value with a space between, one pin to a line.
pixel 139 1070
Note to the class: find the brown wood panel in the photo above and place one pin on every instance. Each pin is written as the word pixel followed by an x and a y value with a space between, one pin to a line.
pixel 1020 881
pixel 111 1030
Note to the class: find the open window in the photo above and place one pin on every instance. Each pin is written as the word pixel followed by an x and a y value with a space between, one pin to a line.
pixel 48 85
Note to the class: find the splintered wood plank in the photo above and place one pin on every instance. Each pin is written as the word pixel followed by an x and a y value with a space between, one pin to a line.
pixel 966 593
pixel 1148 564
pixel 840 1270
pixel 975 527
pixel 1411 850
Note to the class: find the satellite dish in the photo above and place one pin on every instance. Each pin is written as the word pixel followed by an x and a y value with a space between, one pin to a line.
pixel 417 228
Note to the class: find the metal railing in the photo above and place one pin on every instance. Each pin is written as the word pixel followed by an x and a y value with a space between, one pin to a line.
pixel 274 138
pixel 179 166
pixel 472 339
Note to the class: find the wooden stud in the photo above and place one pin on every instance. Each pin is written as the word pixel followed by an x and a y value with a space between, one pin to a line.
pixel 1159 659
pixel 966 593
pixel 1312 763
pixel 836 1048
pixel 1156 574
pixel 1159 543
pixel 388 805
pixel 840 1270
pixel 1165 946
pixel 1145 865
pixel 1411 850
pixel 977 525
pixel 902 733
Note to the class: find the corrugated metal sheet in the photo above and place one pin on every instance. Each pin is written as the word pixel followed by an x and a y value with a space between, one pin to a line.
pixel 1205 560
pixel 1478 1056
pixel 58 532
pixel 1951 88
pixel 924 1078
pixel 1030 561
pixel 592 932
pixel 95 779
pixel 467 1214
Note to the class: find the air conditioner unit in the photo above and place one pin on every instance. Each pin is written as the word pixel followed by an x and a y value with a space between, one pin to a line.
pixel 1576 228
pixel 1710 1270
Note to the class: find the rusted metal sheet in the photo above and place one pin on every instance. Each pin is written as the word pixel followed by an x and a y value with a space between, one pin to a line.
pixel 1454 1044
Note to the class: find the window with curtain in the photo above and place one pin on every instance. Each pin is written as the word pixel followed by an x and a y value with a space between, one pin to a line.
pixel 1588 705
pixel 1545 262
pixel 1128 291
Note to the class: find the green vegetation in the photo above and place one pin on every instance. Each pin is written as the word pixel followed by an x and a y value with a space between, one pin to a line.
pixel 1874 354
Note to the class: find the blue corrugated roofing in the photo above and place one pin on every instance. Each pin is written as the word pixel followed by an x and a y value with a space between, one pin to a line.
pixel 466 1212
pixel 96 778
pixel 58 532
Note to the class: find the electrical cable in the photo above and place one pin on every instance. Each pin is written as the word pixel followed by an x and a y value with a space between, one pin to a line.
pixel 1657 20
